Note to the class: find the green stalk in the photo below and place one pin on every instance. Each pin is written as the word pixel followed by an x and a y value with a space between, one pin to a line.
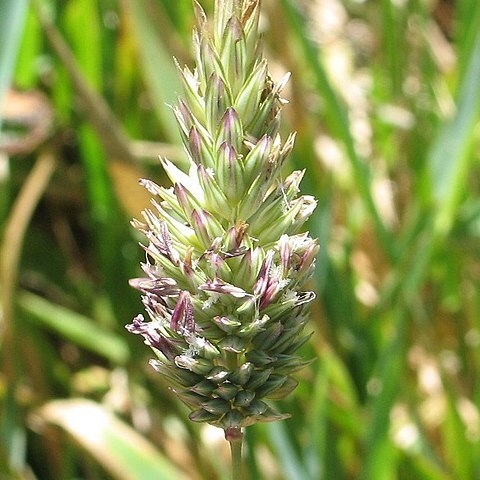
pixel 235 438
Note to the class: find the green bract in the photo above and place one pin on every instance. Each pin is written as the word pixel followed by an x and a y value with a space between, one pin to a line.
pixel 226 262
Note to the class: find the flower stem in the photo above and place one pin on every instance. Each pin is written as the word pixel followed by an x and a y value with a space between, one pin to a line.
pixel 236 449
pixel 234 435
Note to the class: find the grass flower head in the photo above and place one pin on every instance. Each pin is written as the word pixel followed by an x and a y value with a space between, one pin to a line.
pixel 226 259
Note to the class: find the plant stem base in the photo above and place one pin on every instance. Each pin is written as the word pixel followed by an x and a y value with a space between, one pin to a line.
pixel 234 436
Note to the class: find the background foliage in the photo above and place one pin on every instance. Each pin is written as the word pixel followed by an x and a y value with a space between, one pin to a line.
pixel 385 99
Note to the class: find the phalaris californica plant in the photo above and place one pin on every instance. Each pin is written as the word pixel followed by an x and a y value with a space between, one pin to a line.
pixel 226 259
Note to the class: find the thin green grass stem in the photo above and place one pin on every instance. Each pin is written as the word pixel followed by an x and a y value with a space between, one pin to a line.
pixel 234 436
pixel 236 449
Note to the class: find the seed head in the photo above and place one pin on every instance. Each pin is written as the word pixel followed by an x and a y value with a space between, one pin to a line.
pixel 226 260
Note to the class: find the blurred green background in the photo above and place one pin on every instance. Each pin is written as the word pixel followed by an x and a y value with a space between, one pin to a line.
pixel 385 97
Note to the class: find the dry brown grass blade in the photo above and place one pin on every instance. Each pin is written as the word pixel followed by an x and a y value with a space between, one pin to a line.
pixel 15 231
pixel 115 445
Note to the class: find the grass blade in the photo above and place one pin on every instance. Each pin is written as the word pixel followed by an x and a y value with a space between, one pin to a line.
pixel 315 451
pixel 293 467
pixel 450 157
pixel 12 16
pixel 157 64
pixel 15 232
pixel 96 110
pixel 74 327
pixel 458 448
pixel 125 454
pixel 380 453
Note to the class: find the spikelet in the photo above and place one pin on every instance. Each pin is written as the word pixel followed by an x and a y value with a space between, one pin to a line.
pixel 226 260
